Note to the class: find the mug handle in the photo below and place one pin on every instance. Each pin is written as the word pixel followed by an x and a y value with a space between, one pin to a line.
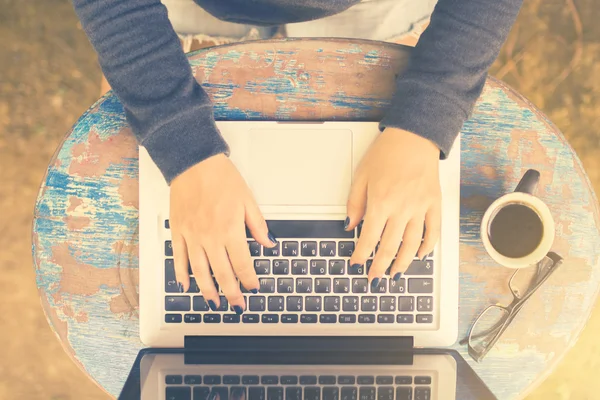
pixel 528 182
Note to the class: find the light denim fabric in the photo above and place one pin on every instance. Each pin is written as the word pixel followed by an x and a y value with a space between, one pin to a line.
pixel 369 19
pixel 372 19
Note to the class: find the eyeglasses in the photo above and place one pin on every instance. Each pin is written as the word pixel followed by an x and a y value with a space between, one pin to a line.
pixel 494 320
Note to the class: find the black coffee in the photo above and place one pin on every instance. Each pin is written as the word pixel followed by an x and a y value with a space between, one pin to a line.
pixel 516 231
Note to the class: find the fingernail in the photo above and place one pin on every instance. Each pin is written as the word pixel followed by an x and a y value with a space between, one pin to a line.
pixel 375 283
pixel 424 257
pixel 212 305
pixel 180 287
pixel 272 238
pixel 254 291
pixel 238 310
pixel 397 276
pixel 346 223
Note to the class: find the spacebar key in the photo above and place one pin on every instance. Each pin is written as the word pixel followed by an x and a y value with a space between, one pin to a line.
pixel 307 229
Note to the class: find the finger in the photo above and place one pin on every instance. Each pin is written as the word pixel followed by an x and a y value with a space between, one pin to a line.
pixel 357 202
pixel 221 267
pixel 257 225
pixel 239 256
pixel 372 228
pixel 433 223
pixel 180 260
pixel 410 243
pixel 238 394
pixel 388 248
pixel 204 279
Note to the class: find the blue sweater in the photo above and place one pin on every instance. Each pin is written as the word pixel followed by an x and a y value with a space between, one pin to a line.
pixel 171 115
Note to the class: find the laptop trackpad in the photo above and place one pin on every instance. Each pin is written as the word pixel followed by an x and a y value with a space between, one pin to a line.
pixel 299 166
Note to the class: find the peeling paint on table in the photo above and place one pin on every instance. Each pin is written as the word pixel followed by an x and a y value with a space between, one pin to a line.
pixel 85 238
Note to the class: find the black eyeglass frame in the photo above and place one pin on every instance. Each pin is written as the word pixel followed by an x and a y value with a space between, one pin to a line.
pixel 511 310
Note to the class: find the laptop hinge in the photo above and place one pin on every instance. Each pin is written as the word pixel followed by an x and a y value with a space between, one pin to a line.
pixel 356 357
pixel 300 350
pixel 322 344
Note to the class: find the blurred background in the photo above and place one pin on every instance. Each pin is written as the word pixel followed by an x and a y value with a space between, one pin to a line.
pixel 49 76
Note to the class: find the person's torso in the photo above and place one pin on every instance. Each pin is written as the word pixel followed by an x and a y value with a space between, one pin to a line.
pixel 273 12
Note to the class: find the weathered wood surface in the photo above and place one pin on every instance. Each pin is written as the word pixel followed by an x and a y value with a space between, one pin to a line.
pixel 85 226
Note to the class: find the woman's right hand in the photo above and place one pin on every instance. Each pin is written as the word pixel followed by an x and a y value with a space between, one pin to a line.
pixel 211 205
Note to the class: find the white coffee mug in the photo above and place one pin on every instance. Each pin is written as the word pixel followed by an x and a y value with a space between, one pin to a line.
pixel 517 229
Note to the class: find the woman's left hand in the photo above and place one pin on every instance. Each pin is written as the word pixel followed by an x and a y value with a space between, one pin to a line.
pixel 396 190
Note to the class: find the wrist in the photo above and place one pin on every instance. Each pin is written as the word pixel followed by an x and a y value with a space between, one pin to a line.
pixel 424 146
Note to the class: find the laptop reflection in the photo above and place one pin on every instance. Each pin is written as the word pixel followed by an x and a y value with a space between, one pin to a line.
pixel 305 374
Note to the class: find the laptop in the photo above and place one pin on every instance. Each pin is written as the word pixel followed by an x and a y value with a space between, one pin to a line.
pixel 300 174
pixel 332 368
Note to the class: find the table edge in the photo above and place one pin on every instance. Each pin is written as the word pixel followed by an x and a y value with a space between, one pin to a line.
pixel 552 126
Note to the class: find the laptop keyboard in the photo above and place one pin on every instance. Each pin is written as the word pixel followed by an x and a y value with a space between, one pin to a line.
pixel 298 387
pixel 307 279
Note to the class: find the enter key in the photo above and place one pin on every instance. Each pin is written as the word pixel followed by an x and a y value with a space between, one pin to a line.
pixel 419 267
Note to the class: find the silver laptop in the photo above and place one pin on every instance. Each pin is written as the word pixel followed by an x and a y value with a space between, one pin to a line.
pixel 211 370
pixel 307 286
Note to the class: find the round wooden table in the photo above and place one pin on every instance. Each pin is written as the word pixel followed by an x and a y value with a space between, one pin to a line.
pixel 85 246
